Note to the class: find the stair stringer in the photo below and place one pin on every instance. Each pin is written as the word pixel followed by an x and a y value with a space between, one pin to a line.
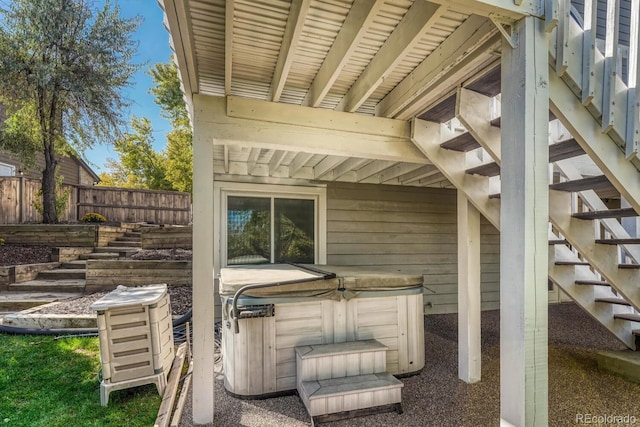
pixel 604 258
pixel 565 276
pixel 428 136
pixel 599 146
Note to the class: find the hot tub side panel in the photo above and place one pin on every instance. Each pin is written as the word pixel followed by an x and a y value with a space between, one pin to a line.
pixel 260 359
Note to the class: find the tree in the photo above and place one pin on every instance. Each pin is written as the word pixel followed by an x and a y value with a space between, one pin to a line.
pixel 179 141
pixel 63 66
pixel 139 165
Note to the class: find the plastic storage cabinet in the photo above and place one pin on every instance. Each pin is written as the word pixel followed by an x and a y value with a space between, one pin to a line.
pixel 136 338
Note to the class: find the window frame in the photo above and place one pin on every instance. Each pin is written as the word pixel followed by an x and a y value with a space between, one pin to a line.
pixel 222 190
pixel 11 168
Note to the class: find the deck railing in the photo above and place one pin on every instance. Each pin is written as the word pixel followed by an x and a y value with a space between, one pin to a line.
pixel 600 63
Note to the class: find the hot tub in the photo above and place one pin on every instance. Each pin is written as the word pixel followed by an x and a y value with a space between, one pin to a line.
pixel 333 304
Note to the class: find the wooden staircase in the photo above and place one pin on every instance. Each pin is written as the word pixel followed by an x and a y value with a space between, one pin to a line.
pixel 343 380
pixel 592 258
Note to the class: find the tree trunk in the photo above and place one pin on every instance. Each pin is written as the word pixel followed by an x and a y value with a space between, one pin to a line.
pixel 49 214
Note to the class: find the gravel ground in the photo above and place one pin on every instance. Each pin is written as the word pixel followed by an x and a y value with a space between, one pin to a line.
pixel 180 298
pixel 17 254
pixel 436 397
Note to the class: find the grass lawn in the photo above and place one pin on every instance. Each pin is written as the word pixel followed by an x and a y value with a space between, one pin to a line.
pixel 48 382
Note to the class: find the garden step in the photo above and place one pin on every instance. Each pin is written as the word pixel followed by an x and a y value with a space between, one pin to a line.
pixel 102 255
pixel 133 234
pixel 58 286
pixel 78 264
pixel 11 302
pixel 61 274
pixel 128 239
pixel 120 250
pixel 121 244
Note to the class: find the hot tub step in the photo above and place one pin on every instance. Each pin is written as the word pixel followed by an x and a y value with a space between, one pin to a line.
pixel 325 361
pixel 354 393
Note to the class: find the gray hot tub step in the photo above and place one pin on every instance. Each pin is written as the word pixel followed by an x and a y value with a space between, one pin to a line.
pixel 354 393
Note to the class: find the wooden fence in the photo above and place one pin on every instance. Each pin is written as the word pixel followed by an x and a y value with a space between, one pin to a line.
pixel 17 196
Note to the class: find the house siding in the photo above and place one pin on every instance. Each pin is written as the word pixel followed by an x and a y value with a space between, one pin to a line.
pixel 409 229
pixel 67 167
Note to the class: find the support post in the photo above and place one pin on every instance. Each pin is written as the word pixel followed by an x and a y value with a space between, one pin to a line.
pixel 203 273
pixel 469 352
pixel 524 219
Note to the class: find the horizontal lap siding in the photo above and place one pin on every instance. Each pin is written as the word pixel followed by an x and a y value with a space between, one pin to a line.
pixel 408 229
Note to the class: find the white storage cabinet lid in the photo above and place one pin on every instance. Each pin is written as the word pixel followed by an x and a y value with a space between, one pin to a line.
pixel 124 296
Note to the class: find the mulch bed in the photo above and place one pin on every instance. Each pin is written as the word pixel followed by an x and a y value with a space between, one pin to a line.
pixel 11 254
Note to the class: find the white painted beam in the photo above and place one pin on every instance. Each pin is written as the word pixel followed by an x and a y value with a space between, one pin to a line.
pixel 293 31
pixel 418 174
pixel 418 19
pixel 371 169
pixel 343 134
pixel 276 160
pixel 355 26
pixel 298 162
pixel 470 39
pixel 348 166
pixel 226 158
pixel 326 166
pixel 203 274
pixel 253 158
pixel 228 45
pixel 524 227
pixel 469 300
pixel 396 171
pixel 503 8
pixel 632 137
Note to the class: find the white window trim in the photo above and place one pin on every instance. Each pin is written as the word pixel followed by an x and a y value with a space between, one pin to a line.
pixel 11 168
pixel 221 190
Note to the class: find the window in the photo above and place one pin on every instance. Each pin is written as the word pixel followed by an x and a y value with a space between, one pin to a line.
pixel 7 170
pixel 262 225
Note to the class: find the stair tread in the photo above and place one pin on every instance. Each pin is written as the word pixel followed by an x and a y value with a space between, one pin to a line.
pixel 571 262
pixel 487 169
pixel 102 255
pixel 592 183
pixel 629 266
pixel 463 142
pixel 348 385
pixel 564 150
pixel 607 213
pixel 558 242
pixel 349 347
pixel 628 241
pixel 592 282
pixel 627 316
pixel 613 300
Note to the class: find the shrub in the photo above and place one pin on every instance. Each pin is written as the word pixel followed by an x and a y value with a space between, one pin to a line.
pixel 92 217
pixel 1 241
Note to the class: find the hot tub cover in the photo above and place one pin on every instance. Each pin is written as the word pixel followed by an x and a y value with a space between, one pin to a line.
pixel 123 296
pixel 349 280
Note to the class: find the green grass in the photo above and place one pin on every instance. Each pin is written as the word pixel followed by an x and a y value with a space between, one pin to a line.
pixel 48 382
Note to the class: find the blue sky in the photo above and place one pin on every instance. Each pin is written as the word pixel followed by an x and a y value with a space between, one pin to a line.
pixel 153 47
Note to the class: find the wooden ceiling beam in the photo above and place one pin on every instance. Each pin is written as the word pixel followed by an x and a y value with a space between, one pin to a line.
pixel 298 163
pixel 470 39
pixel 354 28
pixel 293 31
pixel 228 45
pixel 276 160
pixel 420 17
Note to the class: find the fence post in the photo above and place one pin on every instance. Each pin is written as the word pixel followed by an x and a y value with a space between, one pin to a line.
pixel 21 213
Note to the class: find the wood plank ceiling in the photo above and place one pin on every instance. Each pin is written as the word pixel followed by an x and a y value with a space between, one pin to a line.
pixel 389 58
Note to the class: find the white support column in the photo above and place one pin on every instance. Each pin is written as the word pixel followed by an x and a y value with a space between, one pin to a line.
pixel 203 272
pixel 469 352
pixel 524 222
